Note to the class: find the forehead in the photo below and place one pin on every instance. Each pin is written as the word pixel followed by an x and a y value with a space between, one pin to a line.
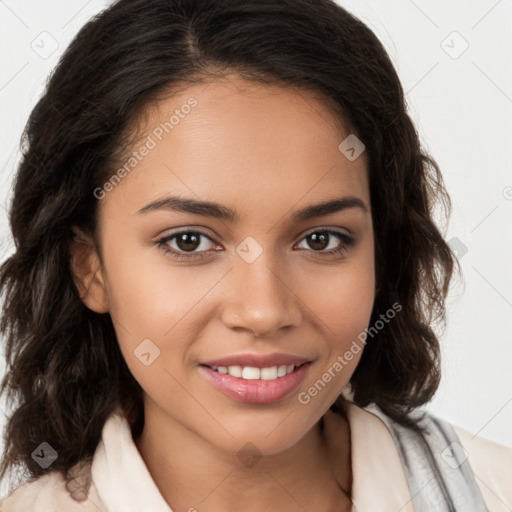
pixel 241 143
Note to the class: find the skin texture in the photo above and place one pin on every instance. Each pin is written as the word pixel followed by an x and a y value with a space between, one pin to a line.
pixel 264 151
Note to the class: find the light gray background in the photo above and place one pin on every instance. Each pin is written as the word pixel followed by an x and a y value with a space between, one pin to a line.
pixel 461 102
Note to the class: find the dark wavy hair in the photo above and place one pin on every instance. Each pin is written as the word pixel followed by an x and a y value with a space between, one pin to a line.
pixel 65 371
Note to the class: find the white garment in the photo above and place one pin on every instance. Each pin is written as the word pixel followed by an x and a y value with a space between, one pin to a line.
pixel 120 481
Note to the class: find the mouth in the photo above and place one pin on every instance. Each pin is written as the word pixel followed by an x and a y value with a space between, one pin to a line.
pixel 255 385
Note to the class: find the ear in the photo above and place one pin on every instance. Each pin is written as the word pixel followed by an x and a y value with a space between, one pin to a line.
pixel 86 269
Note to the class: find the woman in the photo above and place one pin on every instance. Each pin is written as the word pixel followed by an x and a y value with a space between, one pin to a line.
pixel 227 272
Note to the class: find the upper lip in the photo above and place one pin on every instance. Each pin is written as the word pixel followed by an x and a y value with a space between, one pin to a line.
pixel 258 360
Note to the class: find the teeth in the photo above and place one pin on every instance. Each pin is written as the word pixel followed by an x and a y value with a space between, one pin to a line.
pixel 251 373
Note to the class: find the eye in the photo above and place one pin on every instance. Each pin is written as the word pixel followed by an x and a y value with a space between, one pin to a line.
pixel 185 242
pixel 322 239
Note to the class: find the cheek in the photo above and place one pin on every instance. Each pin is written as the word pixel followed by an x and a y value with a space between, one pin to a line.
pixel 146 293
pixel 342 299
pixel 342 302
pixel 157 310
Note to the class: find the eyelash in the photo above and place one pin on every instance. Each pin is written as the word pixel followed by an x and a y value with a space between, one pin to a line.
pixel 348 242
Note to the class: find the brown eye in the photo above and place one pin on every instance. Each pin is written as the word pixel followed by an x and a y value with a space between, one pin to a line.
pixel 185 244
pixel 320 240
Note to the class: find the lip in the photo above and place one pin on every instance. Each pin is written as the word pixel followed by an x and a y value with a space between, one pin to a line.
pixel 258 360
pixel 256 391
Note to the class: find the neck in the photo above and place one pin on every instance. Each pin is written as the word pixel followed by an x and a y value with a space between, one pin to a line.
pixel 192 474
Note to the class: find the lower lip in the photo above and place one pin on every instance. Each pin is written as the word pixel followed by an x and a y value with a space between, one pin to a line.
pixel 256 391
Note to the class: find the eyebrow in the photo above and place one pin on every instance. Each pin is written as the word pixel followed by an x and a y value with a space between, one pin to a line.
pixel 216 210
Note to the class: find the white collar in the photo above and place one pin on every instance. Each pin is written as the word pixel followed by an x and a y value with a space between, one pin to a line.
pixel 119 472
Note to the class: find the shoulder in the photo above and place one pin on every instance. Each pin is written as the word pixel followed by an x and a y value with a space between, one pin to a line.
pixel 466 469
pixel 52 491
pixel 492 466
pixel 463 461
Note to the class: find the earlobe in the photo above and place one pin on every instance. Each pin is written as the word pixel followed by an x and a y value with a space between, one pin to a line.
pixel 87 273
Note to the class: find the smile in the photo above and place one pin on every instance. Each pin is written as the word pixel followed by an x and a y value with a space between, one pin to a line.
pixel 256 385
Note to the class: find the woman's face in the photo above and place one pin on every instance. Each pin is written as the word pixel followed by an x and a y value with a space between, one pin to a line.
pixel 267 281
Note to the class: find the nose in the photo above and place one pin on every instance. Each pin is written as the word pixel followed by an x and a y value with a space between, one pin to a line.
pixel 261 298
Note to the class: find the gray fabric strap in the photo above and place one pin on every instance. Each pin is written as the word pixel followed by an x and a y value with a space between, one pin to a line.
pixel 436 465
